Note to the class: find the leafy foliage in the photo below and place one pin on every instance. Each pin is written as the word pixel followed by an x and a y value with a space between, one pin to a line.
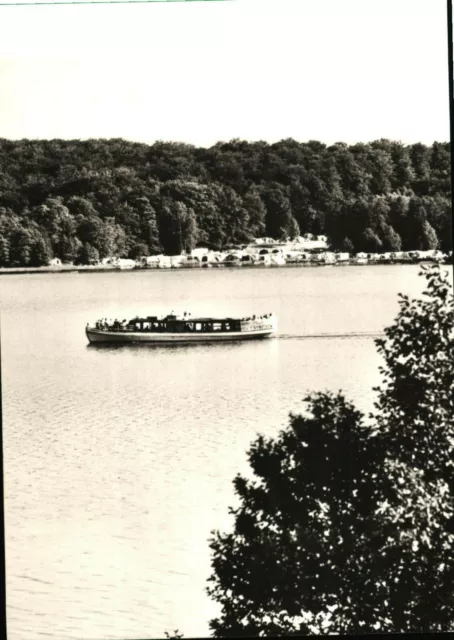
pixel 117 195
pixel 415 406
pixel 347 524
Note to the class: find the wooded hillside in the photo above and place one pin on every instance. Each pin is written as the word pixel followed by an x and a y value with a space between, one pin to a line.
pixel 84 200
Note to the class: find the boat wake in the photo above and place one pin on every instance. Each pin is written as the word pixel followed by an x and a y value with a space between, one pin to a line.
pixel 312 336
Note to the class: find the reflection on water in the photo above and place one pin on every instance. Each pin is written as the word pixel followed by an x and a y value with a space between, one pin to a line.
pixel 119 460
pixel 159 348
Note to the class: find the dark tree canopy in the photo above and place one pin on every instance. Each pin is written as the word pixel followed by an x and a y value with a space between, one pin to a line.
pixel 347 524
pixel 116 195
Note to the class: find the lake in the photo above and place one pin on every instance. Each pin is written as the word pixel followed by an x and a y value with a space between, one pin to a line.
pixel 118 462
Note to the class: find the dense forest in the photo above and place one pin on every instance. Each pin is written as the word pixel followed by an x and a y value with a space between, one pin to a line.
pixel 85 200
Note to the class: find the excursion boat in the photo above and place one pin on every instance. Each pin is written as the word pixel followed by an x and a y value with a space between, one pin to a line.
pixel 174 329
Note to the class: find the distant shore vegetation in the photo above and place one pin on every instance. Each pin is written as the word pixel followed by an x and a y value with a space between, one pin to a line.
pixel 82 201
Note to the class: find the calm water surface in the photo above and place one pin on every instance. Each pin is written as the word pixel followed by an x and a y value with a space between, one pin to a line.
pixel 119 461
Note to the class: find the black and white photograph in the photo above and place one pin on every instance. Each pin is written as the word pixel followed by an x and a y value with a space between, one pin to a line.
pixel 227 318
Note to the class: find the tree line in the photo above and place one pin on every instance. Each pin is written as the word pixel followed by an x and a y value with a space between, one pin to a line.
pixel 85 200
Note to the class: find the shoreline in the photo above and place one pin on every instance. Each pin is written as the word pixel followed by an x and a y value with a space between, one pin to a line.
pixel 5 271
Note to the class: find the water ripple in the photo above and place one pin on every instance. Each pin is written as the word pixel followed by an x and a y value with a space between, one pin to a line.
pixel 118 462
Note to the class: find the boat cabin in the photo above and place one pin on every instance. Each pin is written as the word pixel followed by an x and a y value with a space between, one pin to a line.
pixel 173 324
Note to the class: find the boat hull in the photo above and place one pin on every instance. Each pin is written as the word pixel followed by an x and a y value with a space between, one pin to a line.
pixel 99 336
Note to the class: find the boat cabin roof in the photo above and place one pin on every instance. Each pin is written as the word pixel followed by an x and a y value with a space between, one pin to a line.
pixel 173 318
pixel 209 319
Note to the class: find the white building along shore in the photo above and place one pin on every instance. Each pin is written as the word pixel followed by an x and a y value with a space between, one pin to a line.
pixel 308 249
